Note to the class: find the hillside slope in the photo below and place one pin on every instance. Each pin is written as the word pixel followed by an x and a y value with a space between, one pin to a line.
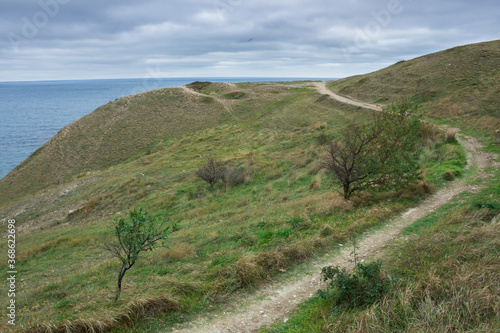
pixel 143 151
pixel 460 85
pixel 133 125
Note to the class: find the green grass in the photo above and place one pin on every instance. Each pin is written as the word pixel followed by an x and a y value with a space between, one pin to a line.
pixel 444 162
pixel 228 238
pixel 447 272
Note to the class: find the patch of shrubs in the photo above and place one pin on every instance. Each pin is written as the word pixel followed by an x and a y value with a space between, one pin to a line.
pixel 214 170
pixel 362 287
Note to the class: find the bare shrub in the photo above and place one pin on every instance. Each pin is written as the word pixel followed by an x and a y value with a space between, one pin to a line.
pixel 211 171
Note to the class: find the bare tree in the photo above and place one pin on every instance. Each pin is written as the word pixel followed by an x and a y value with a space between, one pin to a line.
pixel 211 171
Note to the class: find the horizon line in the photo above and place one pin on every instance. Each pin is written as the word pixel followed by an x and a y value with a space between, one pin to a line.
pixel 180 77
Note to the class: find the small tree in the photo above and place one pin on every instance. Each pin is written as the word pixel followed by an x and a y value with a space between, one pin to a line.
pixel 139 233
pixel 211 171
pixel 383 153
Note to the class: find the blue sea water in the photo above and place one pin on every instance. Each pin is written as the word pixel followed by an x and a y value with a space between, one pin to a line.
pixel 32 112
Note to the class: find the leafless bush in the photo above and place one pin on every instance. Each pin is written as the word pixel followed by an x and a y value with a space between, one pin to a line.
pixel 211 171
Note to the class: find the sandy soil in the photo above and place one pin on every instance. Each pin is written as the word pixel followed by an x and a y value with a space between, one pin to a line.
pixel 275 301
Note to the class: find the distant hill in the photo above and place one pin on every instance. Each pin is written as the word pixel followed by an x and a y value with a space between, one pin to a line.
pixel 461 84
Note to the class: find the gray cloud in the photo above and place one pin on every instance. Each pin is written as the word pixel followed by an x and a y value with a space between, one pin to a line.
pixel 73 39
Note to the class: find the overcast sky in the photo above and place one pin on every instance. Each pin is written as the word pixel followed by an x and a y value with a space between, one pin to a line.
pixel 91 39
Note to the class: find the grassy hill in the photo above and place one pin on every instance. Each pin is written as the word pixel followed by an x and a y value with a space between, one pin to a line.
pixel 459 85
pixel 113 133
pixel 143 151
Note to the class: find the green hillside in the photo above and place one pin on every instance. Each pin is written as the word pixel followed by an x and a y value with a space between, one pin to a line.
pixel 459 85
pixel 144 150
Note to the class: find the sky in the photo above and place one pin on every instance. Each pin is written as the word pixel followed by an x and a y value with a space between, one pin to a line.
pixel 102 39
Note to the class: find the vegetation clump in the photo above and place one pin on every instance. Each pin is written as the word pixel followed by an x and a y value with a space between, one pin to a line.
pixel 363 287
pixel 211 171
pixel 381 154
pixel 233 176
pixel 199 85
pixel 235 95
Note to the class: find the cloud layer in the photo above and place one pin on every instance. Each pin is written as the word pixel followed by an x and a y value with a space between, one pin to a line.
pixel 71 39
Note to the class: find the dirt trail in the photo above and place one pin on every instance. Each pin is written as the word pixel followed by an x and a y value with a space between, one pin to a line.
pixel 322 88
pixel 275 301
pixel 219 100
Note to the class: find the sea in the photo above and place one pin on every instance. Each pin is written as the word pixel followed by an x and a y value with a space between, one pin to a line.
pixel 32 112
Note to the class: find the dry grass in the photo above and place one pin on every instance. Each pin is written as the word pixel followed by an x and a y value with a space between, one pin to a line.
pixel 248 271
pixel 315 183
pixel 178 252
pixel 272 260
pixel 133 312
pixel 430 134
pixel 451 134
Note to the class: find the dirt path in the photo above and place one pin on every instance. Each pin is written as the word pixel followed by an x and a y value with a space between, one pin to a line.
pixel 322 88
pixel 218 100
pixel 275 301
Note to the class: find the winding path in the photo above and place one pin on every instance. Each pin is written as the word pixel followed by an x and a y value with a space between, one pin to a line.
pixel 323 89
pixel 274 302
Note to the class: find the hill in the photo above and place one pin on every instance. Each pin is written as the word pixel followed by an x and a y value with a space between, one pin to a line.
pixel 133 125
pixel 144 150
pixel 459 85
